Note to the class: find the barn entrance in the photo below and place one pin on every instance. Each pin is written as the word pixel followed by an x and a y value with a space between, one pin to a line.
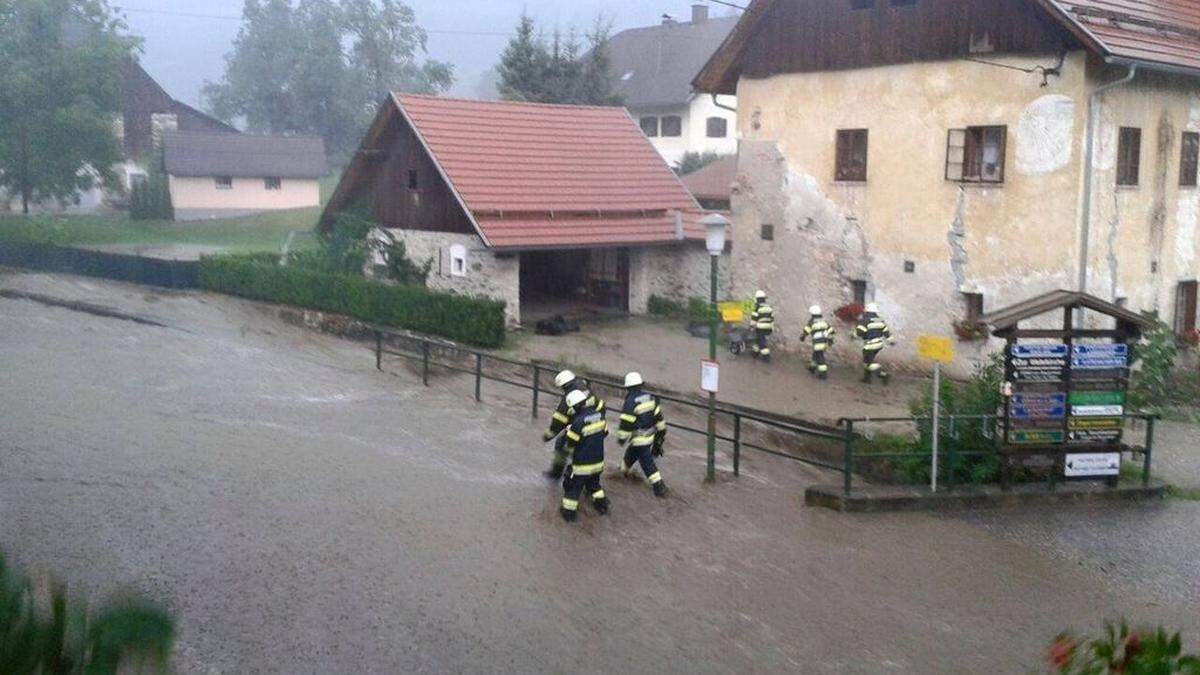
pixel 573 282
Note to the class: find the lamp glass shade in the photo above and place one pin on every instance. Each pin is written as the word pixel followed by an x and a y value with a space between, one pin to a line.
pixel 715 228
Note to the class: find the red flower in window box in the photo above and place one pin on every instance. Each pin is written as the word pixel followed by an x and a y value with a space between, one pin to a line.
pixel 849 313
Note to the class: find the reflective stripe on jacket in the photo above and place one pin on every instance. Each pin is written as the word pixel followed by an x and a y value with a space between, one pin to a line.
pixel 763 318
pixel 821 333
pixel 873 331
pixel 641 419
pixel 585 439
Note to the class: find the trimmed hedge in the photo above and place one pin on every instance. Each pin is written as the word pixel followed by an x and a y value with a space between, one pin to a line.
pixel 473 321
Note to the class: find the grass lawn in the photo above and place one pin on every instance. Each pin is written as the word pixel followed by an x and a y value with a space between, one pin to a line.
pixel 261 232
pixel 248 234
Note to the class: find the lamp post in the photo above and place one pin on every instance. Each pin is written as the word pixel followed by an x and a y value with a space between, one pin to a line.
pixel 715 228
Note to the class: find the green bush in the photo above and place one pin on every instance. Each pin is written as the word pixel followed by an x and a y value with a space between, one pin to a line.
pixel 151 198
pixel 699 310
pixel 49 631
pixel 659 306
pixel 474 321
pixel 1156 354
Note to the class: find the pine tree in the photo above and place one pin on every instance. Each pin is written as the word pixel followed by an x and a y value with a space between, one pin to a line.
pixel 522 66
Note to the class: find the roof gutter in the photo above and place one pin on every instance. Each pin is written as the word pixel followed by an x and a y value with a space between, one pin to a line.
pixel 720 105
pixel 1089 153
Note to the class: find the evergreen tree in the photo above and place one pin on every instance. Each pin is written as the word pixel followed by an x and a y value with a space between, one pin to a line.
pixel 523 64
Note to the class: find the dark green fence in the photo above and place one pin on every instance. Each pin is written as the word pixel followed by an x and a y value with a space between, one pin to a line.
pixel 117 266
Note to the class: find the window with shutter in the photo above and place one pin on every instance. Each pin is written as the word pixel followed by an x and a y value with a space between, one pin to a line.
pixel 1129 156
pixel 851 163
pixel 1189 161
pixel 976 154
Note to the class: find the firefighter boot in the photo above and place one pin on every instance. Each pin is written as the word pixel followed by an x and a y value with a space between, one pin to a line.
pixel 567 514
pixel 601 505
pixel 884 377
pixel 660 489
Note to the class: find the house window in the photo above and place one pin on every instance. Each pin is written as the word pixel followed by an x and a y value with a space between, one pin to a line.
pixel 976 154
pixel 649 126
pixel 859 287
pixel 717 127
pixel 413 180
pixel 862 4
pixel 1190 161
pixel 224 182
pixel 1129 156
pixel 458 260
pixel 672 126
pixel 1185 307
pixel 273 183
pixel 851 155
pixel 768 233
pixel 974 306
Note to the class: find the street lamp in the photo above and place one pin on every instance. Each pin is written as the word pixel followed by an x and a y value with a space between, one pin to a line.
pixel 715 228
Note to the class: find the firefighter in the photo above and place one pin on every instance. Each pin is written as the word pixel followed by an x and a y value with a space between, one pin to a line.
pixel 567 382
pixel 822 339
pixel 585 443
pixel 644 428
pixel 873 331
pixel 763 319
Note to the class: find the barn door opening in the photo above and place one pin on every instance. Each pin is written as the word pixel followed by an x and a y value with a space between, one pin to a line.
pixel 608 278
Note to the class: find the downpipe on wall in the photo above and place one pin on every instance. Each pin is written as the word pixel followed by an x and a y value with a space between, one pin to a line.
pixel 1093 124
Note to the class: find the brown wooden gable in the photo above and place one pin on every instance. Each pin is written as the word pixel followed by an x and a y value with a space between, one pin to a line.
pixel 793 36
pixel 378 177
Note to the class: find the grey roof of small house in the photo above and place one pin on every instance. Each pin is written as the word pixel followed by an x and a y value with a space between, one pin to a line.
pixel 190 153
pixel 653 67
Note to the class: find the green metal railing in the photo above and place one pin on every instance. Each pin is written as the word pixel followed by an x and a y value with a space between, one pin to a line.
pixel 740 428
pixel 950 430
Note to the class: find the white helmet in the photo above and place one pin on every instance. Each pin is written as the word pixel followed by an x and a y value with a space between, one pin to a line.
pixel 564 378
pixel 760 295
pixel 815 310
pixel 634 380
pixel 873 308
pixel 575 398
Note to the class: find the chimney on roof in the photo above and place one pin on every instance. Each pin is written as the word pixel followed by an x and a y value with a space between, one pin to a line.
pixel 699 13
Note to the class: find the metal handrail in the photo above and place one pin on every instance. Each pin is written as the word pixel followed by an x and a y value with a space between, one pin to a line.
pixel 480 374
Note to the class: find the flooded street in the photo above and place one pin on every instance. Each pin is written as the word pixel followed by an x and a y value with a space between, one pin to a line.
pixel 302 512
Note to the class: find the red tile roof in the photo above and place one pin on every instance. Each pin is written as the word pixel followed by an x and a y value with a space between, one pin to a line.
pixel 552 175
pixel 1153 32
pixel 714 181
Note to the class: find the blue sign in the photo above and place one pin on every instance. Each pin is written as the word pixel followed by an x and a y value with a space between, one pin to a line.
pixel 1038 406
pixel 1100 357
pixel 1039 351
pixel 1102 351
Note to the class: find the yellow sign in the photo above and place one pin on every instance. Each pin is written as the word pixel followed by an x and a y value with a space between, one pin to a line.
pixel 935 348
pixel 732 312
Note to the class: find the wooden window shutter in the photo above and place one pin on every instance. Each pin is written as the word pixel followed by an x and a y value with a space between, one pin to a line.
pixel 956 154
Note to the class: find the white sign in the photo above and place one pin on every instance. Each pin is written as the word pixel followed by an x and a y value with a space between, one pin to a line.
pixel 1096 464
pixel 710 376
pixel 1097 410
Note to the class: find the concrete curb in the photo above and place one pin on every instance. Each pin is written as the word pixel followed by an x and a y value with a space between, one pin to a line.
pixel 877 499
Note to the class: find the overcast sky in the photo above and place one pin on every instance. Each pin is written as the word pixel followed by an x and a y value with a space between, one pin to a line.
pixel 186 40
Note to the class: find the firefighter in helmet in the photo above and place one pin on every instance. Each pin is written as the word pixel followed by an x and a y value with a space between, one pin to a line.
pixel 763 320
pixel 585 443
pixel 821 333
pixel 644 428
pixel 567 382
pixel 874 333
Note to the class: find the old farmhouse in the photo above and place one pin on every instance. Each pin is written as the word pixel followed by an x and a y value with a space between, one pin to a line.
pixel 945 156
pixel 222 175
pixel 536 205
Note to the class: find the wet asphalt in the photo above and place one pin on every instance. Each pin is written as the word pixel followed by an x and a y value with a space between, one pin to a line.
pixel 301 512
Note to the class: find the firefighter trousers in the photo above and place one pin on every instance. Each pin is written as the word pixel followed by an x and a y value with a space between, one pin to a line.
pixel 574 487
pixel 760 346
pixel 871 367
pixel 819 364
pixel 642 455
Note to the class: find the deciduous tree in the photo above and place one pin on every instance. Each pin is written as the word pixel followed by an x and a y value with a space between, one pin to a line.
pixel 60 95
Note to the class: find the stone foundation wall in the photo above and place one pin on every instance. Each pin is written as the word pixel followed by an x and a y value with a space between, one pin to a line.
pixel 676 272
pixel 487 274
